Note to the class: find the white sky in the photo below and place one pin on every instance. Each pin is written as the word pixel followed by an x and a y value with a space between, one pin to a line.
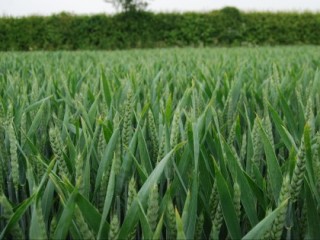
pixel 45 7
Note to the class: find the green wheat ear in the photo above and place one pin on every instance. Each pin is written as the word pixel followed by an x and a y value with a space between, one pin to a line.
pixel 171 221
pixel 268 129
pixel 230 112
pixel 303 221
pixel 162 147
pixel 103 190
pixel 217 223
pixel 117 157
pixel 3 150
pixel 82 225
pixel 232 133
pixel 79 173
pixel 152 129
pixel 57 148
pixel 299 170
pixel 237 199
pixel 214 201
pixel 132 193
pixel 13 155
pixel 41 223
pixel 23 129
pixel 101 143
pixel 6 214
pixel 316 162
pixel 257 144
pixel 309 115
pixel 38 166
pixel 243 149
pixel 114 227
pixel 278 224
pixel 174 135
pixel 127 129
pixel 53 226
pixel 199 227
pixel 153 207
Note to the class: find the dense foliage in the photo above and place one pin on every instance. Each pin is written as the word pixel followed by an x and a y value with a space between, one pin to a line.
pixel 227 27
pixel 160 144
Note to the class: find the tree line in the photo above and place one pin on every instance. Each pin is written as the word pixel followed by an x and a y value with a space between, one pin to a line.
pixel 141 29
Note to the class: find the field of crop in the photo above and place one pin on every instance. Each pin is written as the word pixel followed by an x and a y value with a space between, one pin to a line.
pixel 160 144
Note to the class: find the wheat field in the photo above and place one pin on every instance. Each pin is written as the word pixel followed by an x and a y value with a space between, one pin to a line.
pixel 160 144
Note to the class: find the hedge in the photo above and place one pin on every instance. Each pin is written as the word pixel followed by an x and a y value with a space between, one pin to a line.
pixel 226 27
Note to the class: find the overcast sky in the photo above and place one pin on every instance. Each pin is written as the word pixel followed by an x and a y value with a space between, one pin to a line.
pixel 45 7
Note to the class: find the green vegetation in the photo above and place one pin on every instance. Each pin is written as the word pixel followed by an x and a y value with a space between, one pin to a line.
pixel 136 29
pixel 160 144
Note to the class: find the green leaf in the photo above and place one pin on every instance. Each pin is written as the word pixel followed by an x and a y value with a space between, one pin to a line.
pixel 227 206
pixel 34 105
pixel 191 221
pixel 108 200
pixel 38 118
pixel 192 211
pixel 168 110
pixel 65 220
pixel 283 132
pixel 144 154
pixel 157 233
pixel 146 229
pixel 107 157
pixel 309 163
pixel 127 163
pixel 185 212
pixel 180 232
pixel 273 167
pixel 288 114
pixel 93 109
pixel 107 93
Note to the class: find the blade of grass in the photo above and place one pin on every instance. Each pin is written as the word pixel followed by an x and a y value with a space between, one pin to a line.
pixel 273 167
pixel 65 220
pixel 227 206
